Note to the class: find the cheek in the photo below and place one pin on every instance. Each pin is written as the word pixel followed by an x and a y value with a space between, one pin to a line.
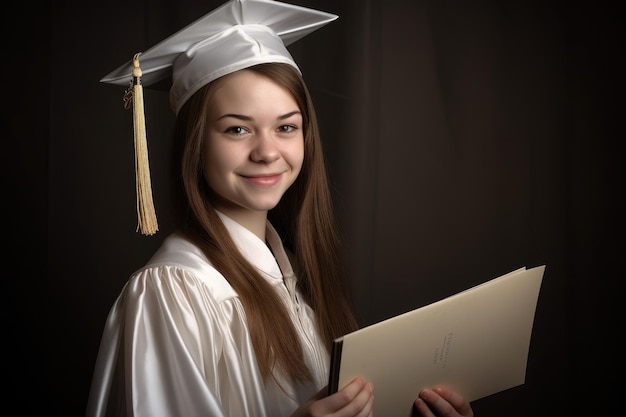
pixel 211 173
pixel 217 162
pixel 295 156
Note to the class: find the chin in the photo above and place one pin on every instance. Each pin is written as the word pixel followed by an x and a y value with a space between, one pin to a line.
pixel 265 207
pixel 264 204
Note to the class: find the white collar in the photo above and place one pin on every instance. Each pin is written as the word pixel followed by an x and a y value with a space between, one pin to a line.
pixel 273 265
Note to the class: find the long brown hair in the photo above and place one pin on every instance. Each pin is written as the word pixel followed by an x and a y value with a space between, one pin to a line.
pixel 304 218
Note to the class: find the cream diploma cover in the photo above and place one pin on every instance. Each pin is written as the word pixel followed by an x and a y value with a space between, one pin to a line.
pixel 475 341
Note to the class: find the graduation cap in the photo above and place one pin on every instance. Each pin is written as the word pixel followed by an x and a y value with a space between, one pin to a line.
pixel 234 36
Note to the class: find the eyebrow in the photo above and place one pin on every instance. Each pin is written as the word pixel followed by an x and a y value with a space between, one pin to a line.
pixel 248 118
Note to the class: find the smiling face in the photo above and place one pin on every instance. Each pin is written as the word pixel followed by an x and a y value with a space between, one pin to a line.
pixel 254 146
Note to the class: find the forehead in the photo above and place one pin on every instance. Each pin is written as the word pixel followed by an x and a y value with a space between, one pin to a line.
pixel 246 89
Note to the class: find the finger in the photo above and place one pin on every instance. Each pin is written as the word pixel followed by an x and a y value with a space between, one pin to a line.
pixel 363 403
pixel 359 399
pixel 438 403
pixel 352 400
pixel 422 408
pixel 362 406
pixel 456 400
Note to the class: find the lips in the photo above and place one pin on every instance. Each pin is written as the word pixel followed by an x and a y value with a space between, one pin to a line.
pixel 264 180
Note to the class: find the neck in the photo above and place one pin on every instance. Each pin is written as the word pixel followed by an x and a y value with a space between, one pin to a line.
pixel 254 221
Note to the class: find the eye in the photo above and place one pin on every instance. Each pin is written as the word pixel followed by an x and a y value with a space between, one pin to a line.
pixel 236 130
pixel 287 128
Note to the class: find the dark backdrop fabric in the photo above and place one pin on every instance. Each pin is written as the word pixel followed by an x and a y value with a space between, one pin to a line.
pixel 463 140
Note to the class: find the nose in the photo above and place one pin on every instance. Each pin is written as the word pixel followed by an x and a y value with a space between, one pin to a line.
pixel 265 148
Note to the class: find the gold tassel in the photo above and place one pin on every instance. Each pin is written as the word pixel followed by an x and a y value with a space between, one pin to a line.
pixel 147 221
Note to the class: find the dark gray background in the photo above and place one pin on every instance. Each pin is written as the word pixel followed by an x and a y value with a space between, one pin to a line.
pixel 464 140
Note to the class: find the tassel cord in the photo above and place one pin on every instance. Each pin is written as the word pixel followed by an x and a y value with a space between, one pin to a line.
pixel 147 221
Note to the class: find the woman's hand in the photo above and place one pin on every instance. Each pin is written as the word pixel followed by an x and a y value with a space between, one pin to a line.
pixel 440 401
pixel 354 400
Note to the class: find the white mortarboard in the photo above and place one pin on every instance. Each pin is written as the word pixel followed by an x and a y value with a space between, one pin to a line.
pixel 234 36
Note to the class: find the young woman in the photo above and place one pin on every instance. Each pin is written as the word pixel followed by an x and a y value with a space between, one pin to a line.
pixel 235 314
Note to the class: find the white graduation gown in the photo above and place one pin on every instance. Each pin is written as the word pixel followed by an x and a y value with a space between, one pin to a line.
pixel 176 342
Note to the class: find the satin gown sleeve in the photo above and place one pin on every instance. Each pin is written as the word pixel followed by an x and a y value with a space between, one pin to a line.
pixel 155 340
pixel 176 342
